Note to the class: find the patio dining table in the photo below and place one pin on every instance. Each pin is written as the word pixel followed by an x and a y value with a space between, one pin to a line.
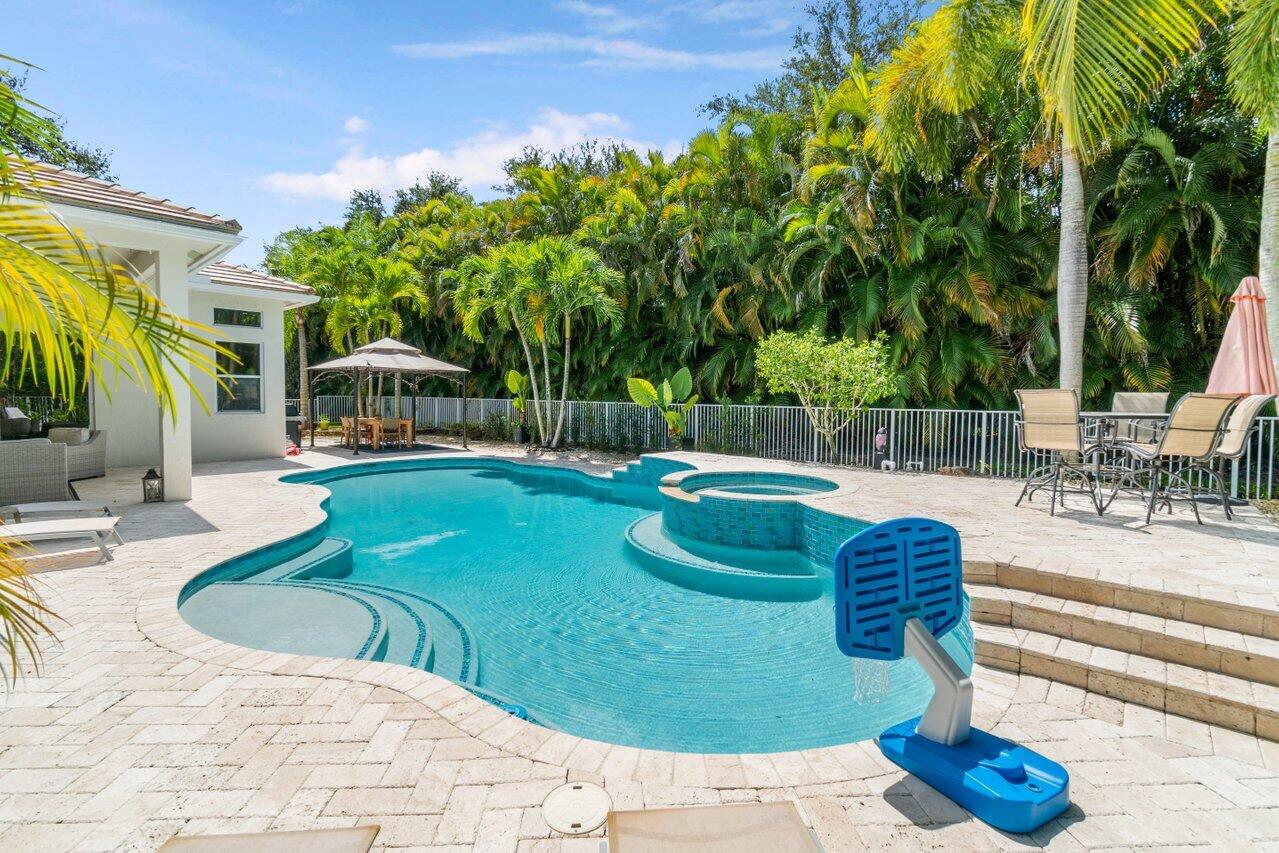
pixel 373 428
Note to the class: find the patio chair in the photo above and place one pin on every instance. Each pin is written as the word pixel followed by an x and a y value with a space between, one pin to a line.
pixel 1050 424
pixel 1127 429
pixel 13 423
pixel 19 511
pixel 774 827
pixel 86 451
pixel 348 427
pixel 32 470
pixel 1233 444
pixel 1197 423
pixel 392 431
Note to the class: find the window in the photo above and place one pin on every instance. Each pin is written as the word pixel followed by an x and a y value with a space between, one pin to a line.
pixel 243 380
pixel 236 317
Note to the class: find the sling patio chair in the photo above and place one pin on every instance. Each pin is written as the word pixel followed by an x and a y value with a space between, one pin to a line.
pixel 1136 429
pixel 1233 445
pixel 1050 424
pixel 1194 430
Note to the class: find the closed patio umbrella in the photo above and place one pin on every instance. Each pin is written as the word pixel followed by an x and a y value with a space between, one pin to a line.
pixel 1244 364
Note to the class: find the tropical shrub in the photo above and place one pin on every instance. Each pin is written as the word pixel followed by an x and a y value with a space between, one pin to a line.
pixel 673 398
pixel 833 380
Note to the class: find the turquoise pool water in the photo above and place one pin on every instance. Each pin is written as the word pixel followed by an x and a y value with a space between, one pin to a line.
pixel 519 586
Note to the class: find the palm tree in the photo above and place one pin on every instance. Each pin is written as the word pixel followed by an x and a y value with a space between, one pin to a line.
pixel 576 282
pixel 1092 62
pixel 63 300
pixel 1254 78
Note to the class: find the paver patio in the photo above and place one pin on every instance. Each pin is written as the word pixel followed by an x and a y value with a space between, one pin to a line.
pixel 139 727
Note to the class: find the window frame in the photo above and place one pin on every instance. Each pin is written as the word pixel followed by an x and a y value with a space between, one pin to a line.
pixel 217 322
pixel 238 378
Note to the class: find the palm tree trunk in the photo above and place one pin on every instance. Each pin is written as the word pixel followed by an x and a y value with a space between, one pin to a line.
pixel 1269 260
pixel 304 378
pixel 532 375
pixel 1072 271
pixel 559 424
pixel 546 375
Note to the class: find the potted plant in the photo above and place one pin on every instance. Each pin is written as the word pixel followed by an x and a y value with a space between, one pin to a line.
pixel 674 398
pixel 518 384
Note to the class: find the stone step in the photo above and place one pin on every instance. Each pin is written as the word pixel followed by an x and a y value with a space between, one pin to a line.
pixel 1204 647
pixel 1211 697
pixel 1215 607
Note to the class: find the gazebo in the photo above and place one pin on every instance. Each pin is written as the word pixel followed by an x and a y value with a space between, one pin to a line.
pixel 389 356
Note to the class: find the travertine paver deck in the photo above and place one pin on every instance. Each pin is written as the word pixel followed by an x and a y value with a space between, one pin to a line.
pixel 139 727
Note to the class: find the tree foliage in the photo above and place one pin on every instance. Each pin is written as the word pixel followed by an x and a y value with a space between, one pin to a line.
pixel 846 212
pixel 833 380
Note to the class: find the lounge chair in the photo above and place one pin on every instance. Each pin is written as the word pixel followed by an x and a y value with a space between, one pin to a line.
pixel 14 423
pixel 99 530
pixel 347 839
pixel 1050 424
pixel 1195 427
pixel 736 828
pixel 54 508
pixel 1233 445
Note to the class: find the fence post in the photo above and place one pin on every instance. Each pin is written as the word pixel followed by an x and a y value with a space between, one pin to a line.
pixel 892 438
pixel 985 437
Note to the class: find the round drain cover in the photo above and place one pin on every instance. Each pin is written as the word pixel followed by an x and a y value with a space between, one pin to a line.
pixel 576 808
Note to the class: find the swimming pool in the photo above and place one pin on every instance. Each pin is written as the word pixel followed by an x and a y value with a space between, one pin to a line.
pixel 519 583
pixel 756 483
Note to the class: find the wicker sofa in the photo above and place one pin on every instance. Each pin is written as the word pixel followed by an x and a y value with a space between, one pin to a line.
pixel 33 470
pixel 86 451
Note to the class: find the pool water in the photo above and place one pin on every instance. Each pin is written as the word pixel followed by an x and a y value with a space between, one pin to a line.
pixel 564 622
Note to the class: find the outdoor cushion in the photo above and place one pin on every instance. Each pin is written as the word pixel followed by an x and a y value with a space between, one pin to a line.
pixel 70 436
pixel 737 828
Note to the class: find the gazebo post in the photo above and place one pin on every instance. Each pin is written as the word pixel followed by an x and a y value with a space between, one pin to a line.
pixel 355 433
pixel 413 414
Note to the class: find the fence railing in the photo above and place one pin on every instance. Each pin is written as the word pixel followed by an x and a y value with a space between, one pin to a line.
pixel 981 442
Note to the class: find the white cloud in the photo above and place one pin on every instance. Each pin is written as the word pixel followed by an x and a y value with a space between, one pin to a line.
pixel 355 125
pixel 608 19
pixel 476 161
pixel 601 53
pixel 767 17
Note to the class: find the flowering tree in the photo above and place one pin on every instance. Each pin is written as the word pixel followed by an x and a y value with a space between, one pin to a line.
pixel 834 380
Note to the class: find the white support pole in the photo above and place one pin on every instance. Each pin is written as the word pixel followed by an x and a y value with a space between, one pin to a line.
pixel 948 716
pixel 175 424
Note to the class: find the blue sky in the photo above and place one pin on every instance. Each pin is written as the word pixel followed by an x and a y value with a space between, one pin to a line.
pixel 273 111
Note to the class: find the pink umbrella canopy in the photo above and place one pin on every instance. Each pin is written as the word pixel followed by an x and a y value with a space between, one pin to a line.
pixel 1244 364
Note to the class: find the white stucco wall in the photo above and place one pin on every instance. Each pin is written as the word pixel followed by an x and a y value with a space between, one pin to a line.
pixel 220 436
pixel 131 418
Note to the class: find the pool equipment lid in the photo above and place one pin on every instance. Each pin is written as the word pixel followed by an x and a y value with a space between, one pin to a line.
pixel 576 808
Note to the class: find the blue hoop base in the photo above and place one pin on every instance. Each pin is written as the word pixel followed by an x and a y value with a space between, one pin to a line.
pixel 1002 783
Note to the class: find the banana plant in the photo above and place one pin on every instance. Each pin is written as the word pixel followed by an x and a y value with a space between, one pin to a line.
pixel 674 398
pixel 519 386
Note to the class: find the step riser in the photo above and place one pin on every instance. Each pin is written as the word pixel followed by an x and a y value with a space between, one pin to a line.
pixel 1195 705
pixel 1168 605
pixel 1129 639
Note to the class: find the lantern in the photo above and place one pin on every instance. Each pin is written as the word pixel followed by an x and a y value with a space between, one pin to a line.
pixel 152 487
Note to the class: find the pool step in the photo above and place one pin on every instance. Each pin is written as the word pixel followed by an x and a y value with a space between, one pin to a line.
pixel 1189 644
pixel 449 649
pixel 408 636
pixel 331 558
pixel 1211 697
pixel 729 572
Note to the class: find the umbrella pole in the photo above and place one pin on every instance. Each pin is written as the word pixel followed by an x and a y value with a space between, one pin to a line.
pixel 355 433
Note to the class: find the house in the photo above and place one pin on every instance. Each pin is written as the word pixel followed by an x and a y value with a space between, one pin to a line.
pixel 177 251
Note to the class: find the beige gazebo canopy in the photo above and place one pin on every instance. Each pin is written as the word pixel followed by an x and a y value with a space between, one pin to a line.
pixel 394 357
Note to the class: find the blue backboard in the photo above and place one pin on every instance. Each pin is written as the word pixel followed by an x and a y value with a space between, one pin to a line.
pixel 890 572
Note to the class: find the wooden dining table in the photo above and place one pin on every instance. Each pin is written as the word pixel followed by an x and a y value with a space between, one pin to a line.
pixel 372 427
